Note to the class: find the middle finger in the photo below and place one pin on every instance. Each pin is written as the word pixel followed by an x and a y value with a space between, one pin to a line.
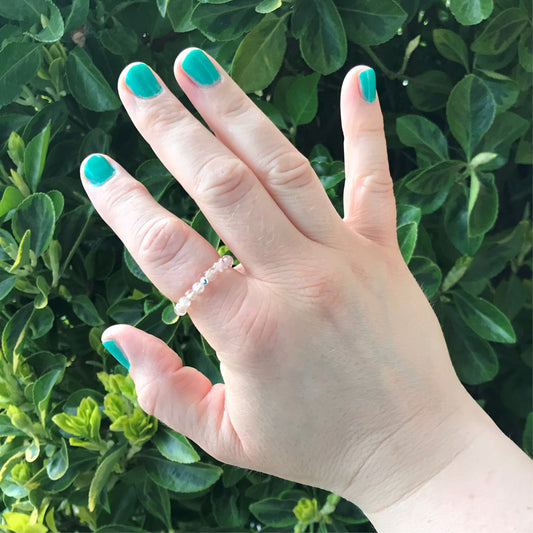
pixel 237 205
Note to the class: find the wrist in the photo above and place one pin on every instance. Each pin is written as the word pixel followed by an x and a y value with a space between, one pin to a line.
pixel 471 477
pixel 418 450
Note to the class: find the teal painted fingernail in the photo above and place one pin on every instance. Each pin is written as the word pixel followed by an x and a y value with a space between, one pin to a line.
pixel 114 350
pixel 98 170
pixel 141 80
pixel 367 80
pixel 198 66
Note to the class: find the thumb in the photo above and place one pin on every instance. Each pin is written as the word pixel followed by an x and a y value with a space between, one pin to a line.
pixel 180 396
pixel 369 205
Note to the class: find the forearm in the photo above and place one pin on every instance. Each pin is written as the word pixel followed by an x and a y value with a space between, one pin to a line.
pixel 487 487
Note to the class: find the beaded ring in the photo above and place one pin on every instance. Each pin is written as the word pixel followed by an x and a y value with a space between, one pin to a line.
pixel 184 303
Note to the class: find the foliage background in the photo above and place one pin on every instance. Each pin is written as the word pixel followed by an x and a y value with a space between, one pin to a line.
pixel 454 79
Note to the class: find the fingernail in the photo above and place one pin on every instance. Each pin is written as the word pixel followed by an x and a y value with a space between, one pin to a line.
pixel 199 67
pixel 367 81
pixel 111 346
pixel 142 82
pixel 98 170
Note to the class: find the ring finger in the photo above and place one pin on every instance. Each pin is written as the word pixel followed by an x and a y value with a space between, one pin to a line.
pixel 169 252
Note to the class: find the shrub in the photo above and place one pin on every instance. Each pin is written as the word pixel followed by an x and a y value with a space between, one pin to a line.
pixel 454 80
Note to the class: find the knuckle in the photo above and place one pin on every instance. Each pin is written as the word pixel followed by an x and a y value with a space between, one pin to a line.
pixel 289 169
pixel 159 118
pixel 123 197
pixel 223 180
pixel 159 242
pixel 235 109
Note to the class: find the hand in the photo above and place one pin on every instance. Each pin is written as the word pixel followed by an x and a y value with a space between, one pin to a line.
pixel 335 367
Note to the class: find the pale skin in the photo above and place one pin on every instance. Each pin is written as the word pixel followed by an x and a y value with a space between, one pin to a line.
pixel 336 372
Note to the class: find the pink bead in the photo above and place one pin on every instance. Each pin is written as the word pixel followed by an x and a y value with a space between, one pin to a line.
pixel 227 261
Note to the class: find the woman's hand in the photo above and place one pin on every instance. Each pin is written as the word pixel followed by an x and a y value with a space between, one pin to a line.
pixel 335 367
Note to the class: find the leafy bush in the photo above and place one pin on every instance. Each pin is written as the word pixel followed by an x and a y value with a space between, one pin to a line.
pixel 454 79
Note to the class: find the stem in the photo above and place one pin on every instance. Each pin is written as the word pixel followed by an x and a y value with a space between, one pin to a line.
pixel 389 73
pixel 77 243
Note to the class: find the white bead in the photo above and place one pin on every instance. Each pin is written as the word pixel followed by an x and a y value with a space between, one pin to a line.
pixel 210 274
pixel 189 294
pixel 204 281
pixel 227 261
pixel 219 265
pixel 198 288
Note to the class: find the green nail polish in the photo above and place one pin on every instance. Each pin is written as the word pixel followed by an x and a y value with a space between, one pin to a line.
pixel 198 66
pixel 141 80
pixel 367 80
pixel 115 351
pixel 98 170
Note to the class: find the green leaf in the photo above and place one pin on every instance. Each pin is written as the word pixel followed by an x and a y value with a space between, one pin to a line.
pixel 85 310
pixel 471 12
pixel 162 5
pixel 527 438
pixel 510 296
pixel 7 282
pixel 58 200
pixel 302 99
pixel 119 40
pixel 275 512
pixel 228 510
pixel 23 255
pixel 482 203
pixel 133 267
pixel 226 22
pixel 451 46
pixel 179 13
pixel 53 26
pixel 260 55
pixel 470 111
pixel 14 333
pixel 370 22
pixel 202 226
pixel 498 250
pixel 35 156
pixel 58 464
pixel 87 84
pixel 103 473
pixel 42 391
pixel 19 63
pixel 505 130
pixel 181 478
pixel 41 322
pixel 11 199
pixel 458 270
pixel 37 214
pixel 436 178
pixel 483 317
pixel 429 90
pixel 267 6
pixel 78 14
pixel 155 177
pixel 456 222
pixel 525 50
pixel 175 447
pixel 474 359
pixel 505 91
pixel 27 10
pixel 319 27
pixel 425 137
pixel 55 113
pixel 156 501
pixel 406 213
pixel 427 274
pixel 500 32
pixel 407 235
pixel 15 149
